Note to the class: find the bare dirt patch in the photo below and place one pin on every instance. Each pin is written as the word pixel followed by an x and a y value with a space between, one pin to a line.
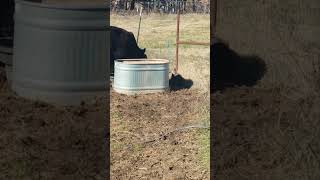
pixel 40 141
pixel 150 137
pixel 264 134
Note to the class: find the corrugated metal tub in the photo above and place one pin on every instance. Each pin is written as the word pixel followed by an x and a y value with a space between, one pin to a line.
pixel 61 51
pixel 140 76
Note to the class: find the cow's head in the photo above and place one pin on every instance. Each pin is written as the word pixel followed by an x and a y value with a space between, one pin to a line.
pixel 140 53
pixel 127 53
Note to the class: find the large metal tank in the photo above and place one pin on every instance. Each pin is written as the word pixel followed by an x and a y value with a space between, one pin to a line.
pixel 61 51
pixel 141 76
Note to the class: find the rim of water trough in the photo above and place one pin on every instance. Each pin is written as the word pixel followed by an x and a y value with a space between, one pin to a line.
pixel 66 6
pixel 143 61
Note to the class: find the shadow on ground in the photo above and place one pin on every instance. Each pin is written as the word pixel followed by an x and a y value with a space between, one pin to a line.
pixel 229 69
pixel 177 82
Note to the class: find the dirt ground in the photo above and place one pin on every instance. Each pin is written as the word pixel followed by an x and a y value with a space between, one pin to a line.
pixel 151 137
pixel 270 130
pixel 166 135
pixel 40 141
pixel 263 134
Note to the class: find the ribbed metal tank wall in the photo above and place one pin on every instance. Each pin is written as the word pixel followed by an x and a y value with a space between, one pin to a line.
pixel 137 76
pixel 61 52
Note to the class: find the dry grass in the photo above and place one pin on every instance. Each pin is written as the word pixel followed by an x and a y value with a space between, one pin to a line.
pixel 157 35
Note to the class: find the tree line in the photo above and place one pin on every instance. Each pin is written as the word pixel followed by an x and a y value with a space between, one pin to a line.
pixel 161 6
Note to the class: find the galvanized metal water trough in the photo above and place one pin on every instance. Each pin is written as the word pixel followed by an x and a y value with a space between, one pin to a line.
pixel 141 76
pixel 61 51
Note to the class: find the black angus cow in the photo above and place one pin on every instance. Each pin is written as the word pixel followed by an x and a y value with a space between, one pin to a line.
pixel 124 46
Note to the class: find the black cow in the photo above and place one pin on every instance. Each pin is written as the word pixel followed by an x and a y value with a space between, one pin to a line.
pixel 124 46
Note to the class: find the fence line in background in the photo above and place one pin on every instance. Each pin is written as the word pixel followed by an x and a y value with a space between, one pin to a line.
pixel 178 42
pixel 160 6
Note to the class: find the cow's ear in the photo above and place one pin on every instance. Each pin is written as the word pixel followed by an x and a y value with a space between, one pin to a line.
pixel 144 50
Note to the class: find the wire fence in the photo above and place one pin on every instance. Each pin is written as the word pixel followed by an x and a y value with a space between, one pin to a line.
pixel 160 6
